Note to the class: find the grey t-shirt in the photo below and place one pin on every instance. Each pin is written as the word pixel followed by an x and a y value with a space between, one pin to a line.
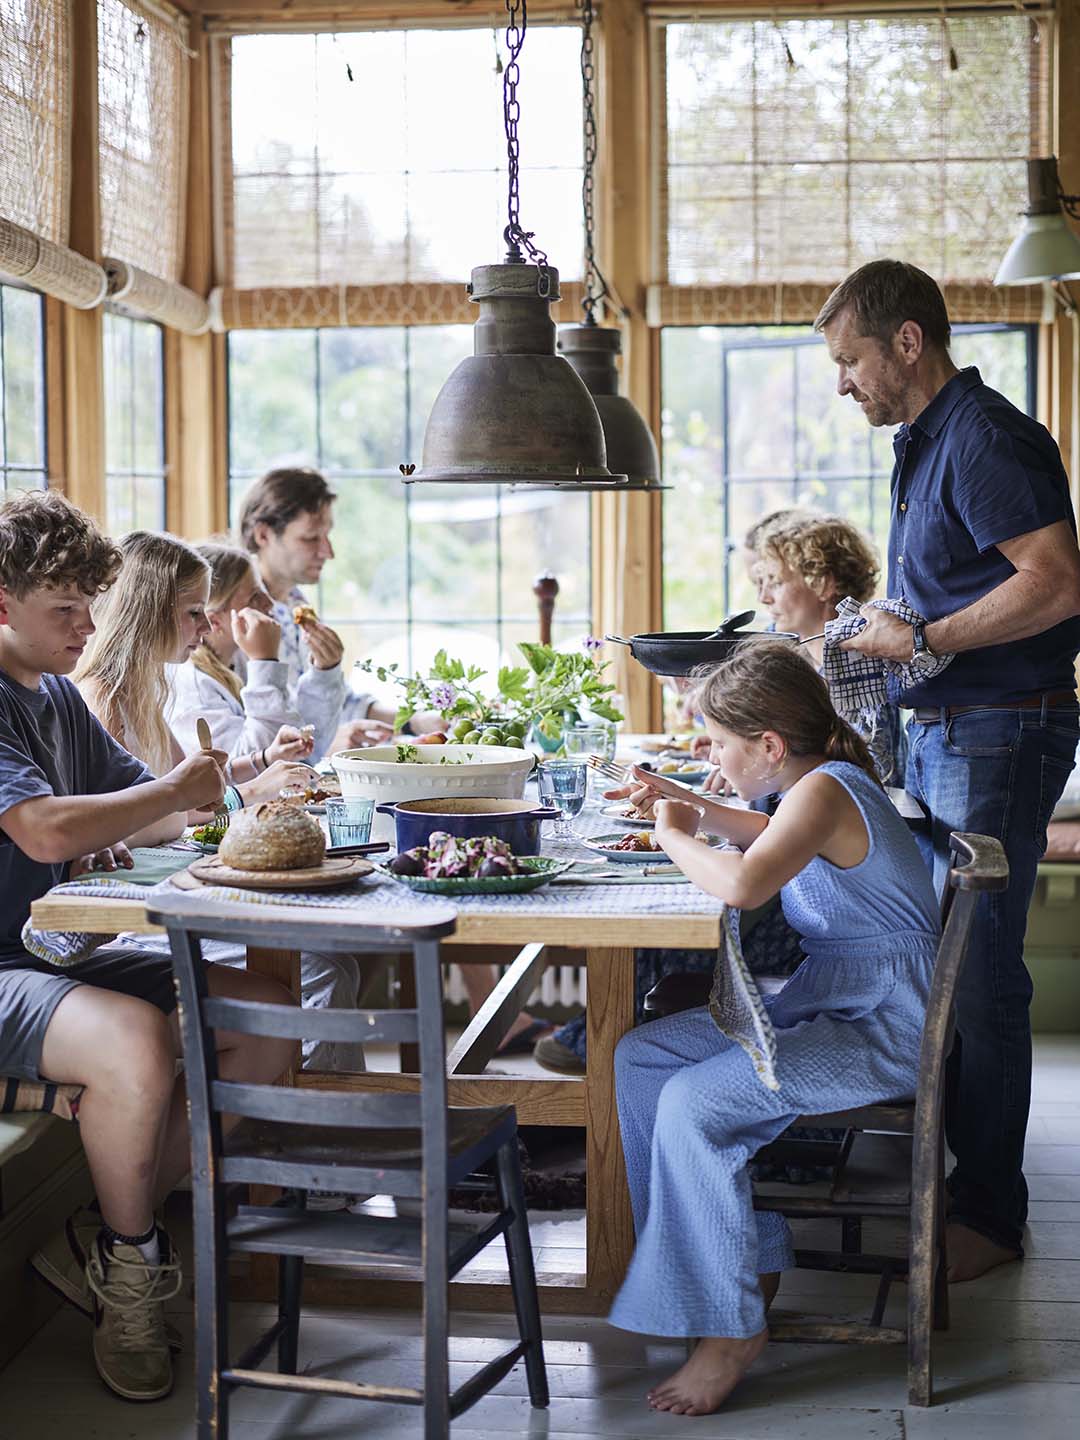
pixel 50 744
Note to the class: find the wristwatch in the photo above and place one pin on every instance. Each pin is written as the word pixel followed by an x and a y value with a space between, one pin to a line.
pixel 918 640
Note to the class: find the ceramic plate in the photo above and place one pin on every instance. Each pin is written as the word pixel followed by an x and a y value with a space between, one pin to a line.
pixel 603 845
pixel 537 870
pixel 617 811
pixel 686 777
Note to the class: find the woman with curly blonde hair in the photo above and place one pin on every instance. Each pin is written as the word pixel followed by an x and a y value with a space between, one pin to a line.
pixel 808 564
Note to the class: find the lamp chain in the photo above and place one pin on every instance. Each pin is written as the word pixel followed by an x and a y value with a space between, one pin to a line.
pixel 595 288
pixel 517 239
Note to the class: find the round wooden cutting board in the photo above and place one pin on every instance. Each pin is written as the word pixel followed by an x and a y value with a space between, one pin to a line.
pixel 337 870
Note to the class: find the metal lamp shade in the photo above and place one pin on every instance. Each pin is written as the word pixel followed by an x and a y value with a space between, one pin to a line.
pixel 592 352
pixel 1046 248
pixel 514 412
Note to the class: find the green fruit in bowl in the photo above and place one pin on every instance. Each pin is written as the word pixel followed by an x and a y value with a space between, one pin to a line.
pixel 491 737
pixel 471 737
pixel 463 729
pixel 516 728
pixel 514 742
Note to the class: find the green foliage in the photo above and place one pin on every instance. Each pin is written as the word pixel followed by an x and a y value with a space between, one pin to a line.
pixel 556 682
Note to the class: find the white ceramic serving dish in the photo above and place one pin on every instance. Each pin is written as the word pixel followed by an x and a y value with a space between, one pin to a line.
pixel 498 771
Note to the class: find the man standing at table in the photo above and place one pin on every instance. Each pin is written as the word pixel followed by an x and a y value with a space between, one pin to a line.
pixel 982 543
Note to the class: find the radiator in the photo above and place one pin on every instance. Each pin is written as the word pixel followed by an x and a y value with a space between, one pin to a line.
pixel 562 986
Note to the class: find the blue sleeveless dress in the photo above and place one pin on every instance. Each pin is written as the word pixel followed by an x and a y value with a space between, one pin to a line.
pixel 693 1112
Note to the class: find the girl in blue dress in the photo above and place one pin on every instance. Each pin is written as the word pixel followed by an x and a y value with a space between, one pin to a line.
pixel 692 1109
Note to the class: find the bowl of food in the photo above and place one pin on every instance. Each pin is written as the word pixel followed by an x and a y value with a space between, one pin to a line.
pixel 389 774
pixel 515 823
pixel 482 865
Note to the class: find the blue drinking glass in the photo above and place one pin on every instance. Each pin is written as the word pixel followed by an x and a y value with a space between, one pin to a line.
pixel 563 784
pixel 348 818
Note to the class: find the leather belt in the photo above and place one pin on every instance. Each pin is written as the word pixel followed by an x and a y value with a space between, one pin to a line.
pixel 931 715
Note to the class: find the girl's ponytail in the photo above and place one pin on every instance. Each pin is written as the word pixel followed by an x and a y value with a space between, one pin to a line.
pixel 844 743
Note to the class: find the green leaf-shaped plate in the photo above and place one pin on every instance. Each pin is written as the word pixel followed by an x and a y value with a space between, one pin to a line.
pixel 534 871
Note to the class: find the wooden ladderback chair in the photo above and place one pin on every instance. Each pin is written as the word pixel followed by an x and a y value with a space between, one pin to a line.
pixel 890 1163
pixel 408 1145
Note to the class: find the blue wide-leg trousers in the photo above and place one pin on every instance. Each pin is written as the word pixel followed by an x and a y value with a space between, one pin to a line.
pixel 693 1113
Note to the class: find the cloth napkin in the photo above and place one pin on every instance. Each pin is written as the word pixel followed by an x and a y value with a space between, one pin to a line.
pixel 736 1006
pixel 858 683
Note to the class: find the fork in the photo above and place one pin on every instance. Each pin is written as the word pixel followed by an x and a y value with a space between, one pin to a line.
pixel 206 742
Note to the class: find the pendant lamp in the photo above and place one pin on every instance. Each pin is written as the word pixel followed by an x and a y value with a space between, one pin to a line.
pixel 1046 247
pixel 514 412
pixel 591 349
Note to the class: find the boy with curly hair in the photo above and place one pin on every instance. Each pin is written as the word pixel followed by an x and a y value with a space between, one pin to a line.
pixel 69 795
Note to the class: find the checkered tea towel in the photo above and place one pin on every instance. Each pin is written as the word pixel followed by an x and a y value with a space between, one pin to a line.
pixel 857 683
pixel 736 1006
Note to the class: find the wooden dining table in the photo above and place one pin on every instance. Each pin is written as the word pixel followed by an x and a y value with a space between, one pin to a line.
pixel 596 924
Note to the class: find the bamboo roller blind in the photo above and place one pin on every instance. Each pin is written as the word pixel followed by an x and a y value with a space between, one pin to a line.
pixel 793 150
pixel 143 91
pixel 35 154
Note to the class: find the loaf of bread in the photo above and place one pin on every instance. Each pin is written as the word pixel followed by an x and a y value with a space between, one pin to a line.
pixel 272 836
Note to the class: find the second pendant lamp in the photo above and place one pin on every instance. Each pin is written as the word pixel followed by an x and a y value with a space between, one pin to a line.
pixel 514 412
pixel 591 349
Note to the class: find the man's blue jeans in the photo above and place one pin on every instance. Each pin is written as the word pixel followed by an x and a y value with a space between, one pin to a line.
pixel 994 772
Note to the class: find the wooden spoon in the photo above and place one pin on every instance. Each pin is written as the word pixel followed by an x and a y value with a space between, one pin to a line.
pixel 202 730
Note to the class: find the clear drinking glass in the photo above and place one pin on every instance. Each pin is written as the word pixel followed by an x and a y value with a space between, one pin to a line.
pixel 563 784
pixel 348 818
pixel 591 737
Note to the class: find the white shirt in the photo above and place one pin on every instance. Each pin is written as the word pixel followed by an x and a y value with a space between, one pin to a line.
pixel 238 726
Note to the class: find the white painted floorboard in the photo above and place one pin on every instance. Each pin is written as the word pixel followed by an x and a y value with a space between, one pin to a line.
pixel 1008 1369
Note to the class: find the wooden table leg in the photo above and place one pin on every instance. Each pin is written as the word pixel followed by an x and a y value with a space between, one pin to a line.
pixel 609 1224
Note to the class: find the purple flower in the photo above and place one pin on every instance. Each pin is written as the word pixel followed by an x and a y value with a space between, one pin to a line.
pixel 591 643
pixel 443 695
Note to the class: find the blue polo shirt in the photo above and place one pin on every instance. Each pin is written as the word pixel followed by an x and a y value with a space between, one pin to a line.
pixel 971 472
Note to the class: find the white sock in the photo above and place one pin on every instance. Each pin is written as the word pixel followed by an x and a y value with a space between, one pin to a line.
pixel 150 1250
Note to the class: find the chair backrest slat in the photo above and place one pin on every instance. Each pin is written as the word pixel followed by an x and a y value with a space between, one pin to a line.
pixel 380 1111
pixel 288 1022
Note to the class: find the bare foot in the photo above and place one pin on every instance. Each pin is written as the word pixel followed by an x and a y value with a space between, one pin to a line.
pixel 971 1254
pixel 706 1380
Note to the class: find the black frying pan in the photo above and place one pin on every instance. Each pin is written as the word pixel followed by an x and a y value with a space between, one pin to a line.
pixel 679 652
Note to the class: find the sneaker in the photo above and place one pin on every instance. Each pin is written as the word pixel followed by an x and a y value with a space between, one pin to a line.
pixel 131 1351
pixel 553 1055
pixel 61 1263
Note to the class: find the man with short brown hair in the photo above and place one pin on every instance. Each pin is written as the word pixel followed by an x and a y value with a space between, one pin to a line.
pixel 982 544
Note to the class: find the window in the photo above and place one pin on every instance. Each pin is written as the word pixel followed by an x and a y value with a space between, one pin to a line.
pixel 793 150
pixel 416 568
pixel 134 425
pixel 379 157
pixel 22 390
pixel 752 423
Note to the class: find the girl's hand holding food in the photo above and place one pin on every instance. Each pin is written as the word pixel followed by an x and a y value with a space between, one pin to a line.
pixel 275 778
pixel 676 817
pixel 257 635
pixel 290 744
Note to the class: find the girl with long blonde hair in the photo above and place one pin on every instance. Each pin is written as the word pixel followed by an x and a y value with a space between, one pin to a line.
pixel 155 616
pixel 250 718
pixel 692 1108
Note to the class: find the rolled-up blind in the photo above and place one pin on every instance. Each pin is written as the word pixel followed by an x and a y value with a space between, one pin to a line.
pixel 143 86
pixel 156 299
pixel 51 268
